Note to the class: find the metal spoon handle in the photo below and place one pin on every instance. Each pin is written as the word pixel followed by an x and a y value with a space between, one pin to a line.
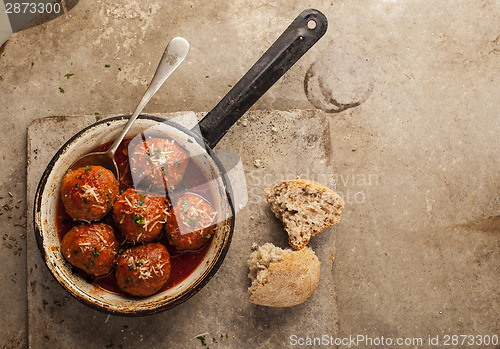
pixel 177 49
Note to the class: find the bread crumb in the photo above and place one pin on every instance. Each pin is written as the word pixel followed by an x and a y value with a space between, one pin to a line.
pixel 257 163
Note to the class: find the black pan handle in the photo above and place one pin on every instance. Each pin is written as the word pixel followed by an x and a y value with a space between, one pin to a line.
pixel 296 40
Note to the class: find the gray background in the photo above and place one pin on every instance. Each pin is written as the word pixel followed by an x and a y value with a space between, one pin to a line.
pixel 420 255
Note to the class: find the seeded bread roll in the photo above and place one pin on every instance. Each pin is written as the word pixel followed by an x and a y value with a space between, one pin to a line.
pixel 282 278
pixel 305 208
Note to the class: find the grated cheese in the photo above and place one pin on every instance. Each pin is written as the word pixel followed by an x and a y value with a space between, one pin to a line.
pixel 100 237
pixel 90 191
pixel 99 207
pixel 128 202
pixel 154 224
pixel 139 236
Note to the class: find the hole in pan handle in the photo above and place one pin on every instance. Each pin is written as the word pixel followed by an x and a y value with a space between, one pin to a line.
pixel 296 40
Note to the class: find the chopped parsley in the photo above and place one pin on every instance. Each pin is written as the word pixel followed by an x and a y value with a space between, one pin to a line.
pixel 137 219
pixel 75 186
pixel 164 170
pixel 127 280
pixel 131 267
pixel 149 155
pixel 202 340
pixel 120 69
pixel 120 191
pixel 69 75
pixel 88 168
pixel 96 114
pixel 96 252
pixel 108 202
pixel 142 195
pixel 192 222
pixel 178 164
pixel 139 263
pixel 75 252
pixel 85 201
pixel 121 249
pixel 91 262
pixel 107 65
pixel 140 202
pixel 207 235
pixel 184 206
pixel 99 174
pixel 61 90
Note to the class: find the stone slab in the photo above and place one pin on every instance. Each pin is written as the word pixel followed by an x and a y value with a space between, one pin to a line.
pixel 272 145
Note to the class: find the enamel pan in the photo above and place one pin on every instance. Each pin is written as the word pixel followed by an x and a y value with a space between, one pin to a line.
pixel 301 35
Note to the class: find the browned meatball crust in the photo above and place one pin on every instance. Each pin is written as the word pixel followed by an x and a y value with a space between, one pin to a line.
pixel 140 216
pixel 92 248
pixel 88 193
pixel 192 223
pixel 143 270
pixel 158 164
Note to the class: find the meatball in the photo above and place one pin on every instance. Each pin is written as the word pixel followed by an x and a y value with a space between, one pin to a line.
pixel 88 193
pixel 143 270
pixel 140 216
pixel 91 247
pixel 192 223
pixel 157 164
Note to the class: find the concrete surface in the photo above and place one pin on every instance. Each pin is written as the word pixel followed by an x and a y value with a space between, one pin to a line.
pixel 412 91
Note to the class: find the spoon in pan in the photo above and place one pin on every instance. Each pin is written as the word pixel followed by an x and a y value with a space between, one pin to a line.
pixel 174 54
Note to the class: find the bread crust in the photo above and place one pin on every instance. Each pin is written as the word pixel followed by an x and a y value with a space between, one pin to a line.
pixel 284 212
pixel 289 282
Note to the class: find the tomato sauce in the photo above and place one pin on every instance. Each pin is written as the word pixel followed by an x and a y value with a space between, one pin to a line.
pixel 182 263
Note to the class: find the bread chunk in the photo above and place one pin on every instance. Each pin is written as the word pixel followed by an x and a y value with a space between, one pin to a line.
pixel 305 208
pixel 282 277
